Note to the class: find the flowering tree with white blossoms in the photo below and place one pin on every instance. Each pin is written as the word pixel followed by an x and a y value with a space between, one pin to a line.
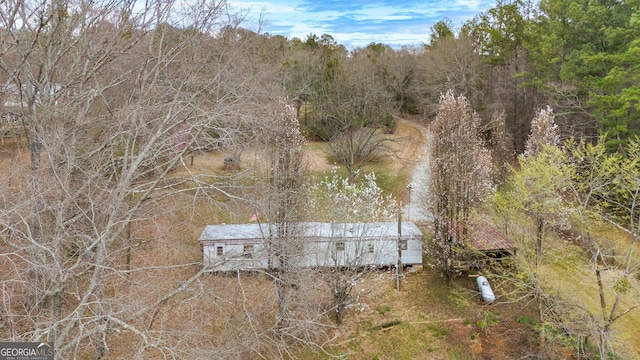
pixel 283 198
pixel 544 131
pixel 461 170
pixel 540 182
pixel 339 200
pixel 359 203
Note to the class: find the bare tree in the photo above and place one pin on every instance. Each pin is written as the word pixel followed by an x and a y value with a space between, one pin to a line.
pixel 451 63
pixel 349 262
pixel 302 79
pixel 286 180
pixel 356 110
pixel 299 318
pixel 500 144
pixel 397 72
pixel 356 148
pixel 112 95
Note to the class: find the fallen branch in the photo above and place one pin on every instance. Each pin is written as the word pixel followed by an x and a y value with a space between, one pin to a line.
pixel 386 325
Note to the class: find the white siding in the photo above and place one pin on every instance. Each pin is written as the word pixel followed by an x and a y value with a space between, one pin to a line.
pixel 319 244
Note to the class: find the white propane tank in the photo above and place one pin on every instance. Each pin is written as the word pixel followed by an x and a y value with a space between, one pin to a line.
pixel 485 289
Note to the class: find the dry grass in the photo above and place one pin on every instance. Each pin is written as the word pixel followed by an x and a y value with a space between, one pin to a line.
pixel 426 320
pixel 213 312
pixel 568 272
pixel 429 319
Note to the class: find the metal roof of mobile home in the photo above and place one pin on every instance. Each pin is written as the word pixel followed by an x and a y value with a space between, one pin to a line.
pixel 312 230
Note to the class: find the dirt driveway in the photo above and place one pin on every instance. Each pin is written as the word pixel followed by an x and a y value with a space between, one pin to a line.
pixel 416 209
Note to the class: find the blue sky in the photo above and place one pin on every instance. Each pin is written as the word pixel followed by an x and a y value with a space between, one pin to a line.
pixel 359 22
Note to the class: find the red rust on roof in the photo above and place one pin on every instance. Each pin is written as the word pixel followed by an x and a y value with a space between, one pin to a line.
pixel 484 237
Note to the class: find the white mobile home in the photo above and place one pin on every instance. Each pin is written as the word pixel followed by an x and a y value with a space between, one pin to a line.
pixel 230 247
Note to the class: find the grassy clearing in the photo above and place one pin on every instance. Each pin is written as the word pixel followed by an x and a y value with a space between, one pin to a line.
pixel 429 319
pixel 568 273
pixel 391 183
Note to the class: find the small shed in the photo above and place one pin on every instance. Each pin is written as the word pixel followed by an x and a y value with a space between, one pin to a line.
pixel 490 241
pixel 483 243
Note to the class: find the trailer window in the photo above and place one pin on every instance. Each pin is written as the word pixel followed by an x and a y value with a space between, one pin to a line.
pixel 247 251
pixel 402 245
pixel 339 246
pixel 370 247
pixel 219 251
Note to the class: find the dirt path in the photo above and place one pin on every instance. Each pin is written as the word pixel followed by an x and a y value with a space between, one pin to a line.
pixel 416 209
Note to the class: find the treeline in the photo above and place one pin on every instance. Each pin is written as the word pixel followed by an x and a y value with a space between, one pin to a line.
pixel 579 57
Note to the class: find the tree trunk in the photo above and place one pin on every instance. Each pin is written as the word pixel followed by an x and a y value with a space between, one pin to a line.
pixel 601 291
pixel 35 148
pixel 282 290
pixel 539 237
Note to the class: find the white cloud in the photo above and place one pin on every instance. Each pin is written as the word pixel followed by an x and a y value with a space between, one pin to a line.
pixel 469 4
pixel 405 23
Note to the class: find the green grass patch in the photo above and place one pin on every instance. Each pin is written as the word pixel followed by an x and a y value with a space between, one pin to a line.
pixel 394 183
pixel 526 320
pixel 438 332
pixel 383 310
pixel 490 320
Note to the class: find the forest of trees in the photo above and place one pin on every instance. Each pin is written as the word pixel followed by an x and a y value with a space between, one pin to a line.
pixel 112 97
pixel 519 57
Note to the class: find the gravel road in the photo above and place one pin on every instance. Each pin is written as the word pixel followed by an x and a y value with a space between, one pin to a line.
pixel 416 210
